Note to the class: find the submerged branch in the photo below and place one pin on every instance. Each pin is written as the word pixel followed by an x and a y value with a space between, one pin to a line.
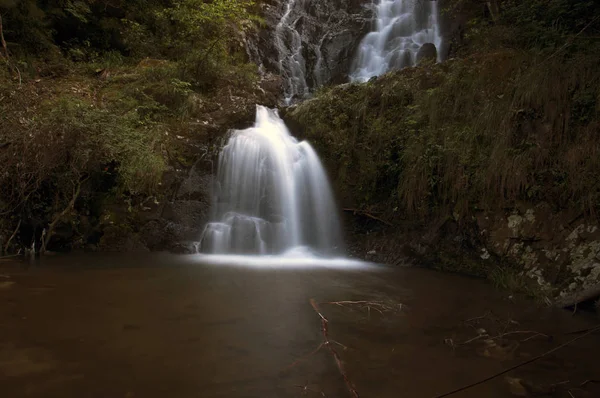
pixel 596 328
pixel 332 350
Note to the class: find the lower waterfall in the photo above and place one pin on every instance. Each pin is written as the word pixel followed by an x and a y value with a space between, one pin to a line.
pixel 272 195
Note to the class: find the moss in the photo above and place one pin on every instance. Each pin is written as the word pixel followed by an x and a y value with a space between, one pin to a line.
pixel 485 132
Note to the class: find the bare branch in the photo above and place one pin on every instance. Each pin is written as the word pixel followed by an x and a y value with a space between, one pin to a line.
pixel 369 215
pixel 332 350
pixel 60 216
pixel 12 237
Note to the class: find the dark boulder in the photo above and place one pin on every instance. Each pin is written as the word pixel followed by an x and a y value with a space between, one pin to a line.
pixel 427 52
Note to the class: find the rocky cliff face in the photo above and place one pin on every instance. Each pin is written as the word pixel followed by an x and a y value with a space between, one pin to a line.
pixel 329 33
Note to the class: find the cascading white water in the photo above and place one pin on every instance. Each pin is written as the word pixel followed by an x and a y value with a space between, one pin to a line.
pixel 272 194
pixel 288 42
pixel 402 27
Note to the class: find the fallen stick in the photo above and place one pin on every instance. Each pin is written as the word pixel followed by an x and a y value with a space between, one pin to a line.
pixel 369 215
pixel 310 354
pixel 378 306
pixel 327 343
pixel 519 365
pixel 585 383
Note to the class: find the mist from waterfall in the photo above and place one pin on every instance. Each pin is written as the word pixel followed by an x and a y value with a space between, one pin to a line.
pixel 402 28
pixel 288 42
pixel 271 195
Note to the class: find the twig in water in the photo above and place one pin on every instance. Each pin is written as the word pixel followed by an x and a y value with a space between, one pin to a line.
pixel 487 313
pixel 336 357
pixel 519 365
pixel 482 335
pixel 585 383
pixel 535 334
pixel 475 338
pixel 378 306
pixel 303 358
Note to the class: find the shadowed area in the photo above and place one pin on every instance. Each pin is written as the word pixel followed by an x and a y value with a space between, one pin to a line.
pixel 162 325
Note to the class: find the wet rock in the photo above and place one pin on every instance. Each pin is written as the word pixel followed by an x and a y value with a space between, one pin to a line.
pixel 427 52
pixel 330 32
pixel 184 248
pixel 187 213
pixel 120 238
pixel 550 248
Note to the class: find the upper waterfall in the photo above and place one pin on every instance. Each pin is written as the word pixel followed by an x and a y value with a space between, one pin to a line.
pixel 272 194
pixel 402 28
pixel 288 42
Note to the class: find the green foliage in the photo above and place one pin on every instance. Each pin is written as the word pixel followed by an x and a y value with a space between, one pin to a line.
pixel 98 137
pixel 201 37
pixel 543 25
pixel 548 23
pixel 67 139
pixel 515 119
pixel 483 132
pixel 109 91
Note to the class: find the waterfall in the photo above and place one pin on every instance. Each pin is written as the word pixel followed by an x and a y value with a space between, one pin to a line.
pixel 402 28
pixel 272 194
pixel 288 42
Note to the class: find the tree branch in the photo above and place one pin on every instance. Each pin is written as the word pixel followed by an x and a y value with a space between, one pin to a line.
pixel 12 237
pixel 332 350
pixel 59 217
pixel 369 215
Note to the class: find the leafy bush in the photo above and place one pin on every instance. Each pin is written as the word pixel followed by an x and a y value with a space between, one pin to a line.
pixel 49 148
pixel 543 25
pixel 201 37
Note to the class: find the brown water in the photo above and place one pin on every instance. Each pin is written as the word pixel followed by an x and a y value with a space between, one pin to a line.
pixel 168 326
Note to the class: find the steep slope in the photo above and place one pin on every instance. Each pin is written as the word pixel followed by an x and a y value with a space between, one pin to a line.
pixel 485 164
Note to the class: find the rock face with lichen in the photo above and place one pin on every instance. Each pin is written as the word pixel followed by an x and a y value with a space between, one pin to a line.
pixel 554 249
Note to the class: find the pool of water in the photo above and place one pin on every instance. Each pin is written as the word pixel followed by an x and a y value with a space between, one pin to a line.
pixel 156 325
